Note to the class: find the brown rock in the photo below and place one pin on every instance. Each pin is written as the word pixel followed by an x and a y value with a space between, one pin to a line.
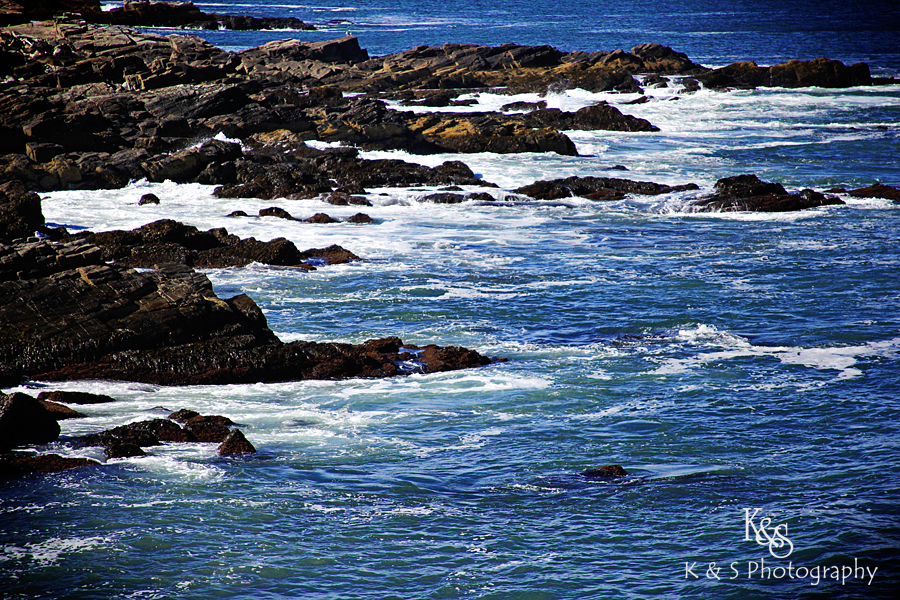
pixel 67 397
pixel 207 431
pixel 360 218
pixel 61 411
pixel 605 471
pixel 878 190
pixel 14 466
pixel 119 449
pixel 274 211
pixel 183 415
pixel 749 193
pixel 218 419
pixel 320 218
pixel 236 443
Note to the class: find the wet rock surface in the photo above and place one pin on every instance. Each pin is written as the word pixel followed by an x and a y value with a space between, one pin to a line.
pixel 749 193
pixel 14 465
pixel 596 188
pixel 605 472
pixel 67 314
pixel 168 242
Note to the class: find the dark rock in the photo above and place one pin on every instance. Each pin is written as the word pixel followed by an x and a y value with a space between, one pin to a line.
pixel 878 190
pixel 526 106
pixel 320 218
pixel 41 153
pixel 143 433
pixel 237 213
pixel 67 397
pixel 598 116
pixel 443 198
pixel 344 199
pixel 15 466
pixel 61 411
pixel 120 435
pixel 482 196
pixel 182 415
pixel 330 255
pixel 217 419
pixel 164 326
pixel 119 449
pixel 360 218
pixel 146 13
pixel 595 188
pixel 24 11
pixel 274 211
pixel 487 133
pixel 24 421
pixel 167 241
pixel 148 199
pixel 207 431
pixel 820 72
pixel 749 193
pixel 236 443
pixel 604 472
pixel 449 358
pixel 20 212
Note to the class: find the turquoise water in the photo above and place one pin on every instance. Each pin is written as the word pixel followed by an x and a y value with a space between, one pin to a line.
pixel 727 361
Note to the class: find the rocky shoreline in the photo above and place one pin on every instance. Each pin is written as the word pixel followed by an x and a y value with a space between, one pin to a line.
pixel 87 107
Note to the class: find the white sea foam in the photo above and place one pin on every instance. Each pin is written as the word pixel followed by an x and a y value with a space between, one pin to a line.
pixel 51 551
pixel 835 358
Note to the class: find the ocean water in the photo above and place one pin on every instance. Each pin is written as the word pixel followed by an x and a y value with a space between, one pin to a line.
pixel 730 362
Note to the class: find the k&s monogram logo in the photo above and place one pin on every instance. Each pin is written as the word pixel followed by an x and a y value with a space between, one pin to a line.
pixel 766 535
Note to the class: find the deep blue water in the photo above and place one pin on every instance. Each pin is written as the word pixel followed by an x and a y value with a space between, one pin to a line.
pixel 727 361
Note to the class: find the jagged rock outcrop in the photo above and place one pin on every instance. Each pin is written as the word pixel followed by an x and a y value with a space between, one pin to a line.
pixel 67 314
pixel 749 193
pixel 170 242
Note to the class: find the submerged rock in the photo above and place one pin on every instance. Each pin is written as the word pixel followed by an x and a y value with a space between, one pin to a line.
pixel 605 472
